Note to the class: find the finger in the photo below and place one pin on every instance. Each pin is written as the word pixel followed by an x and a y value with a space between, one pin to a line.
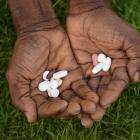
pixel 83 91
pixel 90 99
pixel 98 115
pixel 93 83
pixel 67 95
pixel 76 104
pixel 132 50
pixel 134 69
pixel 74 107
pixel 49 107
pixel 101 83
pixel 104 81
pixel 19 90
pixel 88 106
pixel 119 81
pixel 86 120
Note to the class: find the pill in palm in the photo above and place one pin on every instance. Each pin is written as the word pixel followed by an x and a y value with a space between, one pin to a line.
pixel 54 83
pixel 43 86
pixel 49 91
pixel 60 74
pixel 107 64
pixel 51 85
pixel 97 68
pixel 103 63
pixel 59 82
pixel 45 74
pixel 53 93
pixel 101 57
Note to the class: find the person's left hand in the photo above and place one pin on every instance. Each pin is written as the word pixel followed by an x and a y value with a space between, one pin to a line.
pixel 93 29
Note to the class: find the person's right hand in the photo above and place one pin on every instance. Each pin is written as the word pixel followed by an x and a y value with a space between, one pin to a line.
pixel 35 52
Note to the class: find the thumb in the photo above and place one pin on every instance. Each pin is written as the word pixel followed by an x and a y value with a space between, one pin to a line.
pixel 19 90
pixel 28 107
pixel 86 120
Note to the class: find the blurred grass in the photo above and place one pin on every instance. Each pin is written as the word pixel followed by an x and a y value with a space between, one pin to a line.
pixel 122 121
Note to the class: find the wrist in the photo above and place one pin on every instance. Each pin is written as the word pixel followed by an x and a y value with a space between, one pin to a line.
pixel 32 15
pixel 81 6
pixel 39 25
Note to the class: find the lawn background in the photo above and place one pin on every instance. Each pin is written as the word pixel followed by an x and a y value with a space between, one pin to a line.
pixel 122 121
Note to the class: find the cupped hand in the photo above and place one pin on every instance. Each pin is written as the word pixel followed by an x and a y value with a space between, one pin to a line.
pixel 93 28
pixel 36 52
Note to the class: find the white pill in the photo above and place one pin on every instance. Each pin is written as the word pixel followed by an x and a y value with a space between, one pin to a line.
pixel 43 86
pixel 59 82
pixel 101 58
pixel 60 74
pixel 49 92
pixel 54 83
pixel 97 68
pixel 53 93
pixel 107 64
pixel 45 74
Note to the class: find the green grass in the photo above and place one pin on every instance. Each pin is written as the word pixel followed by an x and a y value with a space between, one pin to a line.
pixel 122 121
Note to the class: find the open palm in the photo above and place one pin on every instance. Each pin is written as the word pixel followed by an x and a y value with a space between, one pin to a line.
pixel 36 52
pixel 99 30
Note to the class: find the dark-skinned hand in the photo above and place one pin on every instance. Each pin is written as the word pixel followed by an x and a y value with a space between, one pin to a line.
pixel 43 45
pixel 94 28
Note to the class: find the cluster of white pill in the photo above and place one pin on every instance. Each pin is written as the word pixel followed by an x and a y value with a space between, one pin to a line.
pixel 103 63
pixel 51 86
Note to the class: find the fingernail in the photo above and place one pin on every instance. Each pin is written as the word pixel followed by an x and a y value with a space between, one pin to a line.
pixel 106 106
pixel 86 124
pixel 77 111
pixel 137 77
pixel 30 118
